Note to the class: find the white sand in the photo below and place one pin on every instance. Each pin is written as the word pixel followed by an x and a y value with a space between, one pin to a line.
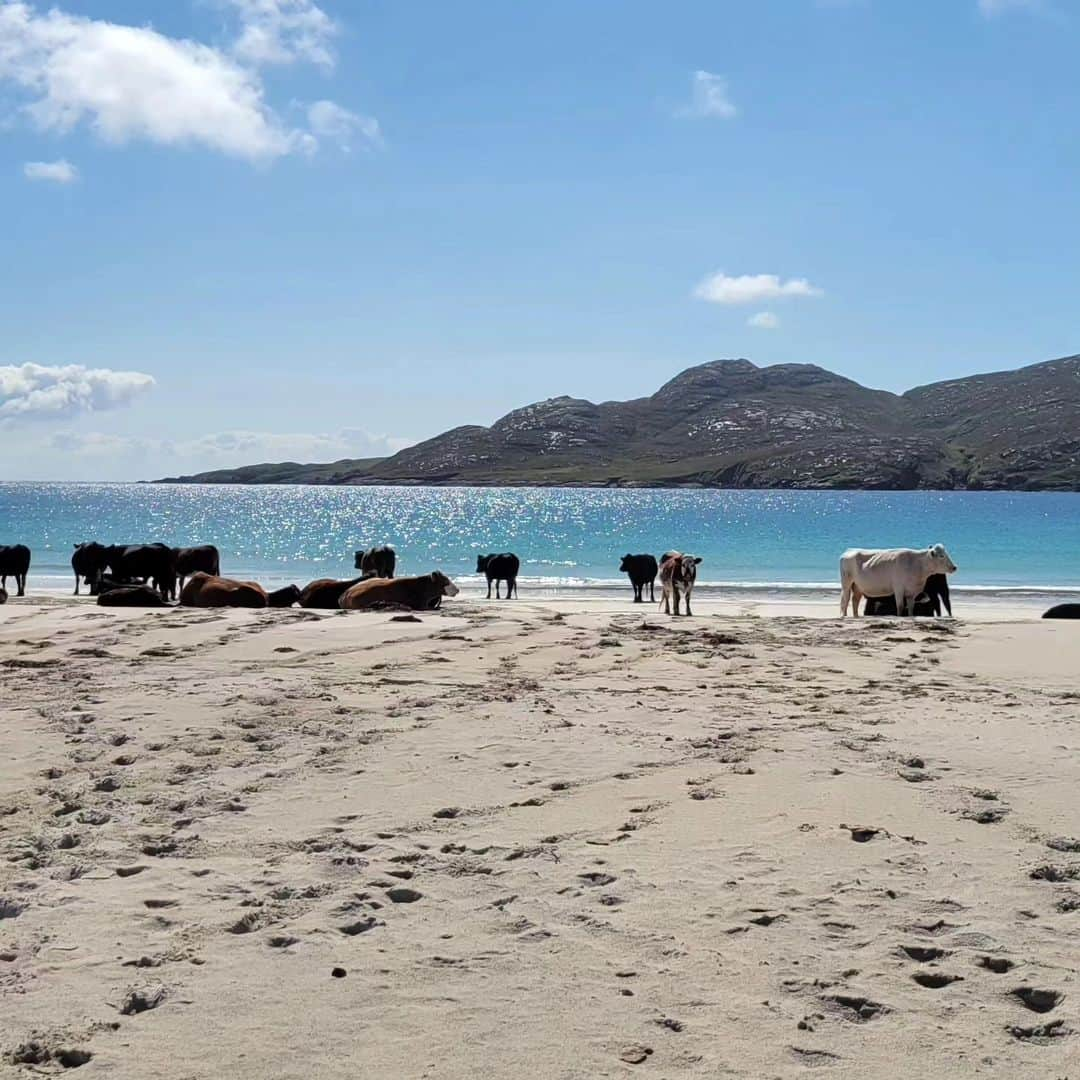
pixel 650 853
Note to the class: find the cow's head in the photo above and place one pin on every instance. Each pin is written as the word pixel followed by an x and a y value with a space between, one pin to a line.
pixel 623 568
pixel 284 597
pixel 358 560
pixel 444 583
pixel 482 563
pixel 940 558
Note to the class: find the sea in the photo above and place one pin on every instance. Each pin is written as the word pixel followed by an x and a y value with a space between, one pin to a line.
pixel 753 544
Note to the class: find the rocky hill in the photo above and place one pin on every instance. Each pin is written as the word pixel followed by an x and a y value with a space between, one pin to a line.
pixel 732 424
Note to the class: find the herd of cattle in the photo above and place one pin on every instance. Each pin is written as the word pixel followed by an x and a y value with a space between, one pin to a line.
pixel 904 581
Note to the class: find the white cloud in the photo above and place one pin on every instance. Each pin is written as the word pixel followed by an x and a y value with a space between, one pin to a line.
pixel 226 449
pixel 710 97
pixel 719 288
pixel 283 32
pixel 763 320
pixel 329 120
pixel 59 172
pixel 31 391
pixel 990 8
pixel 132 83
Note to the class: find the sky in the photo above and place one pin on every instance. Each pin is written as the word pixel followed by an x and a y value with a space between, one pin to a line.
pixel 263 230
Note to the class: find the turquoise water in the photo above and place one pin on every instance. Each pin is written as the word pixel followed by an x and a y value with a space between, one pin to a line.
pixel 566 538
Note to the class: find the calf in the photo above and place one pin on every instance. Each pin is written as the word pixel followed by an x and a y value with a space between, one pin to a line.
pixel 499 568
pixel 377 561
pixel 422 593
pixel 929 602
pixel 642 570
pixel 898 572
pixel 678 573
pixel 14 560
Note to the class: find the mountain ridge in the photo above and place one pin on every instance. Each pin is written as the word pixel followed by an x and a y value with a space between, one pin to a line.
pixel 730 423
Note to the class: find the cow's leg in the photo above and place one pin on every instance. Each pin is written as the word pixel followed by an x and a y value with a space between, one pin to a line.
pixel 498 586
pixel 845 598
pixel 688 611
pixel 677 598
pixel 76 584
pixel 489 589
pixel 856 598
pixel 665 601
pixel 901 600
pixel 637 593
pixel 22 584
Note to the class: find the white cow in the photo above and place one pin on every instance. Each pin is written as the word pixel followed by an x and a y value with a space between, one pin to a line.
pixel 899 572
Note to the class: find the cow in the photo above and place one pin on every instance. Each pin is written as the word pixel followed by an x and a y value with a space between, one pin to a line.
pixel 1063 611
pixel 929 602
pixel 378 561
pixel 326 592
pixel 89 560
pixel 283 597
pixel 14 560
pixel 154 563
pixel 678 572
pixel 499 568
pixel 423 593
pixel 205 590
pixel 3 595
pixel 130 596
pixel 189 560
pixel 901 572
pixel 642 570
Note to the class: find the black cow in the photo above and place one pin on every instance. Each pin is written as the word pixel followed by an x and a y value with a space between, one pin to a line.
pixel 1063 611
pixel 929 602
pixel 283 597
pixel 14 560
pixel 499 568
pixel 642 570
pixel 89 561
pixel 377 561
pixel 114 595
pixel 144 562
pixel 191 560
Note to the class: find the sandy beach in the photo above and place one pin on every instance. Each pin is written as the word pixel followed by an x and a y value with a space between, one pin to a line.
pixel 552 839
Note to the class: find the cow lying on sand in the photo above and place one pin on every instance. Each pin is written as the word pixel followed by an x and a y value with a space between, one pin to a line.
pixel 642 570
pixel 1063 611
pixel 422 593
pixel 678 573
pixel 205 590
pixel 929 602
pixel 326 592
pixel 898 572
pixel 129 596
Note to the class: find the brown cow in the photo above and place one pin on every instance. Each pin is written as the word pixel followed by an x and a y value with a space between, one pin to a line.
pixel 326 592
pixel 418 593
pixel 678 573
pixel 205 590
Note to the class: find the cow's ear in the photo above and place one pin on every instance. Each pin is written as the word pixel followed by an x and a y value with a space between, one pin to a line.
pixel 697 559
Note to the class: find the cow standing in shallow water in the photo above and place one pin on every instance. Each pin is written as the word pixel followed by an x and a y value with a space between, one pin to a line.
pixel 377 561
pixel 678 573
pixel 899 572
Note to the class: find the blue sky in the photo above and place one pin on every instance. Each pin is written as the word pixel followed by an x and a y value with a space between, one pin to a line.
pixel 247 230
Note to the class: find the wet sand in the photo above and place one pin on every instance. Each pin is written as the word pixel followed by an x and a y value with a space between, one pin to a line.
pixel 554 839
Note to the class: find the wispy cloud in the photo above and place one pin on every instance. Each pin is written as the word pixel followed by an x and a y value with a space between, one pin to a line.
pixel 763 320
pixel 36 392
pixel 720 288
pixel 329 120
pixel 990 8
pixel 131 83
pixel 283 32
pixel 710 97
pixel 57 172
